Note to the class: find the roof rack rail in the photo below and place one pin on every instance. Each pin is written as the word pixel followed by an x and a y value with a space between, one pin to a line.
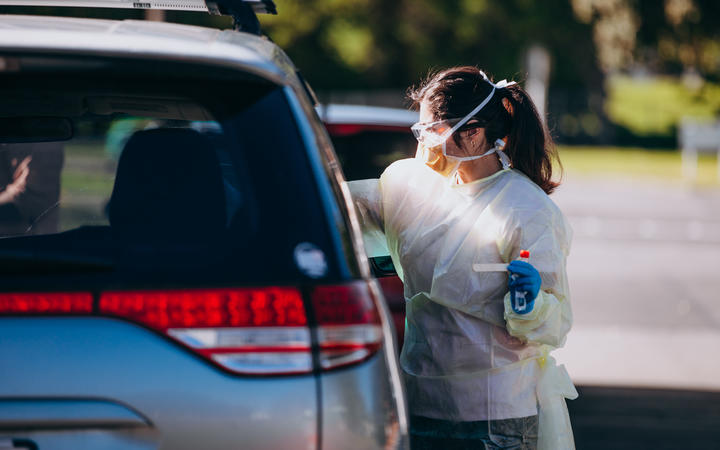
pixel 243 12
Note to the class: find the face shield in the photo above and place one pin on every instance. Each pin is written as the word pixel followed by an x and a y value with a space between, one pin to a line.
pixel 433 136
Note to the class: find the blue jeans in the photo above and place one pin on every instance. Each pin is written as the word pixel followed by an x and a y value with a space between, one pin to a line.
pixel 432 434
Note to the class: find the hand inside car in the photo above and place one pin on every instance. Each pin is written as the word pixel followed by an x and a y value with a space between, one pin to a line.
pixel 19 183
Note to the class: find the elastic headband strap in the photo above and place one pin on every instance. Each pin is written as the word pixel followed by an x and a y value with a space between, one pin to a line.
pixel 499 85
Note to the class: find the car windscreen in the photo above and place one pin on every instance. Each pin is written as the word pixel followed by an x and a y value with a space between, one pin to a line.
pixel 146 178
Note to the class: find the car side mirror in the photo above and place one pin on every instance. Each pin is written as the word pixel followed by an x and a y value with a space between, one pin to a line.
pixel 382 266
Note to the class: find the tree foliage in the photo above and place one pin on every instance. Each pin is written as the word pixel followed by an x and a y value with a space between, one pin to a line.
pixel 376 43
pixel 669 36
pixel 381 44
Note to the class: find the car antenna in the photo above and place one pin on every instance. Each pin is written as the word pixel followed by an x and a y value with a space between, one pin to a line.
pixel 243 12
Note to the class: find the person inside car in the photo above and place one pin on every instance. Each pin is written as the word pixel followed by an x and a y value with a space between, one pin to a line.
pixel 30 188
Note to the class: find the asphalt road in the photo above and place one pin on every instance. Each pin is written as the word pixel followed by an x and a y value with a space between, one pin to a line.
pixel 644 274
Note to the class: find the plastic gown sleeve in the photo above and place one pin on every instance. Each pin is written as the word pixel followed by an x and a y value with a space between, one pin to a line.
pixel 547 235
pixel 367 198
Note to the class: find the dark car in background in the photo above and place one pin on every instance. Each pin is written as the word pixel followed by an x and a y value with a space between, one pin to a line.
pixel 198 285
pixel 367 139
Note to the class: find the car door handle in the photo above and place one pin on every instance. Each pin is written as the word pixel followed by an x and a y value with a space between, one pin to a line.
pixel 32 413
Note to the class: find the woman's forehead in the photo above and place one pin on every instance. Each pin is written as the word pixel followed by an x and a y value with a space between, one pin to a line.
pixel 426 114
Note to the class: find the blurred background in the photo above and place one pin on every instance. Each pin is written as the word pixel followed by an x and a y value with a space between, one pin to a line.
pixel 631 92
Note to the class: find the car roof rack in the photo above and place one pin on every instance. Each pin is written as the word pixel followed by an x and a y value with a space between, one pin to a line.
pixel 243 12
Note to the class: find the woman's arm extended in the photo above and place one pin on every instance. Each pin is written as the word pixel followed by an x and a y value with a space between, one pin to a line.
pixel 366 196
pixel 547 236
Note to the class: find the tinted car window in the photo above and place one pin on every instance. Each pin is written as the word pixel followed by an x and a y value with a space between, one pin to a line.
pixel 367 153
pixel 178 179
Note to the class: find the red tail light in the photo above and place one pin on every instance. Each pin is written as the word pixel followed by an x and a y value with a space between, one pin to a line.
pixel 349 328
pixel 259 330
pixel 244 330
pixel 349 129
pixel 257 307
pixel 46 303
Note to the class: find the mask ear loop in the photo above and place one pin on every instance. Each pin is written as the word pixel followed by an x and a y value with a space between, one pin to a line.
pixel 504 159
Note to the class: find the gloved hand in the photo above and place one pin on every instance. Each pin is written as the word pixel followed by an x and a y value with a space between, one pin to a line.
pixel 528 279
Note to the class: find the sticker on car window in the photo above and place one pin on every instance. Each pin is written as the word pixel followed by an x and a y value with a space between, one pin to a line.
pixel 310 259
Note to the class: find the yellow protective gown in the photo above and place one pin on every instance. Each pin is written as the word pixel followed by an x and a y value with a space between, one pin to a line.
pixel 467 356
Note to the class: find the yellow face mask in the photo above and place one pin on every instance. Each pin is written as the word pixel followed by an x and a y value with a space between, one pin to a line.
pixel 435 158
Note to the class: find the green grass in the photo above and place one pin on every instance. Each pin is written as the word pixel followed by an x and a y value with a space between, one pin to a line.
pixel 86 148
pixel 87 182
pixel 635 163
pixel 654 105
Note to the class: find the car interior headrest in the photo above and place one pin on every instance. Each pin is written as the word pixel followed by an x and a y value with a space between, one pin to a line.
pixel 168 188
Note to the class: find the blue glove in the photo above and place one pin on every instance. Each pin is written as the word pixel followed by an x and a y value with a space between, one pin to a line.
pixel 527 279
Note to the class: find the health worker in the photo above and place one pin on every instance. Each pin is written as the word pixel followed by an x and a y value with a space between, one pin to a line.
pixel 477 368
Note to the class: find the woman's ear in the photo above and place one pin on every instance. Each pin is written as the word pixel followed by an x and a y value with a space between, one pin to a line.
pixel 508 106
pixel 476 140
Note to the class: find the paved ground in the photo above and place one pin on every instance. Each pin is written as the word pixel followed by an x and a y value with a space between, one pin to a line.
pixel 645 419
pixel 645 279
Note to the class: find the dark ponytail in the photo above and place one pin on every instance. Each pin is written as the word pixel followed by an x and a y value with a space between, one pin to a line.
pixel 529 145
pixel 457 91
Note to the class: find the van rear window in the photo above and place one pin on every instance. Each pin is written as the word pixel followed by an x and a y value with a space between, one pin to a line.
pixel 140 180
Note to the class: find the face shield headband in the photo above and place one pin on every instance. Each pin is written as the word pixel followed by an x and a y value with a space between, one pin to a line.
pixel 448 164
pixel 431 139
pixel 499 85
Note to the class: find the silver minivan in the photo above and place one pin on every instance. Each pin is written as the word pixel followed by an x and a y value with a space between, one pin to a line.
pixel 180 263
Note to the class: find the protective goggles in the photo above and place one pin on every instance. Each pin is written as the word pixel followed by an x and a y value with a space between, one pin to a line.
pixel 434 133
